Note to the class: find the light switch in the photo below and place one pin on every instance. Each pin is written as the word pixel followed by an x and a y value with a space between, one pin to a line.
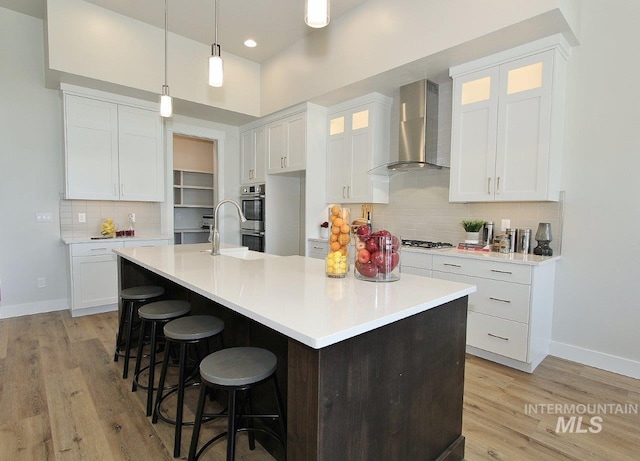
pixel 82 217
pixel 505 224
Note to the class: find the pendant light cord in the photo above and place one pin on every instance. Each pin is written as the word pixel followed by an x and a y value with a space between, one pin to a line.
pixel 166 27
pixel 215 7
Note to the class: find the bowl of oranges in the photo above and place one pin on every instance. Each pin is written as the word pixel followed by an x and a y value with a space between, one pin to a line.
pixel 337 260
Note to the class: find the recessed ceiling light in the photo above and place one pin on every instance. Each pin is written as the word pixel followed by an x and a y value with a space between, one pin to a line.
pixel 250 43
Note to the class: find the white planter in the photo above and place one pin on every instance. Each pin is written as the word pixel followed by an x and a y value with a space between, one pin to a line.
pixel 472 237
pixel 324 232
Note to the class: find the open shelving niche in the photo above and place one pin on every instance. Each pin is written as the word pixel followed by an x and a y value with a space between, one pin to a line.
pixel 194 187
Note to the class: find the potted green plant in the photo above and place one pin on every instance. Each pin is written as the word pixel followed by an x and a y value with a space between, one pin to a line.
pixel 472 227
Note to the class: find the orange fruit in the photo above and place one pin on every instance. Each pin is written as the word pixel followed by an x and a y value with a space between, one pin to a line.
pixel 338 222
pixel 345 228
pixel 335 210
pixel 344 239
pixel 333 238
pixel 335 246
pixel 335 230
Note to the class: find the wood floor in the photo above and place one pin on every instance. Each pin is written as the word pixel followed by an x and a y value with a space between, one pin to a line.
pixel 63 398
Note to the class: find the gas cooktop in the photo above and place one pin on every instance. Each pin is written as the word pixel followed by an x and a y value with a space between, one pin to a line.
pixel 425 244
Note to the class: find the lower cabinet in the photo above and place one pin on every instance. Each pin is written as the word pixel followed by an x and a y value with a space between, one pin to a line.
pixel 510 314
pixel 317 248
pixel 416 263
pixel 94 274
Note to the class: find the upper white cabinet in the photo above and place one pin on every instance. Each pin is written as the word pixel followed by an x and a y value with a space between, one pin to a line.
pixel 508 118
pixel 287 144
pixel 358 141
pixel 112 151
pixel 253 155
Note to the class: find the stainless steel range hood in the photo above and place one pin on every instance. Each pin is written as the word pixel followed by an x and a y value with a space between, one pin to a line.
pixel 418 146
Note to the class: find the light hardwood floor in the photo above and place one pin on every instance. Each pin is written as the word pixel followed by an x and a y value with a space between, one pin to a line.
pixel 62 397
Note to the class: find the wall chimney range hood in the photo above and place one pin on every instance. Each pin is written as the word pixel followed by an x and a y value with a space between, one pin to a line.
pixel 418 146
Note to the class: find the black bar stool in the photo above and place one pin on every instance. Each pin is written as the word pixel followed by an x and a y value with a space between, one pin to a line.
pixel 184 332
pixel 232 370
pixel 131 296
pixel 157 313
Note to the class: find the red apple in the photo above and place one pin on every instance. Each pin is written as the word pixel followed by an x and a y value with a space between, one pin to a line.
pixel 363 231
pixel 364 256
pixel 395 243
pixel 367 270
pixel 371 246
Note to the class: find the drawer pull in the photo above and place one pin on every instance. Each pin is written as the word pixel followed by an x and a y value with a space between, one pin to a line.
pixel 498 337
pixel 452 265
pixel 98 249
pixel 318 248
pixel 501 272
pixel 498 299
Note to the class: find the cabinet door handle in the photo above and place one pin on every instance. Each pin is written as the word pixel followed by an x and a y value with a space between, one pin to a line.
pixel 348 191
pixel 98 249
pixel 498 337
pixel 489 186
pixel 281 162
pixel 501 272
pixel 344 188
pixel 285 161
pixel 500 300
pixel 452 265
pixel 122 190
pixel 498 185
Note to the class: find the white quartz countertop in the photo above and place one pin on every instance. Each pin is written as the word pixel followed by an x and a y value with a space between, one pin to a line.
pixel 516 258
pixel 291 294
pixel 88 239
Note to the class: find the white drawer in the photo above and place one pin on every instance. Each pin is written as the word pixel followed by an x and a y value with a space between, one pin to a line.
pixel 500 336
pixel 144 243
pixel 101 247
pixel 318 250
pixel 415 271
pixel 518 273
pixel 413 259
pixel 500 299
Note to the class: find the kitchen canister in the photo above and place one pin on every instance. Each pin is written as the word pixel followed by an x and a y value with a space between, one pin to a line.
pixel 523 238
pixel 501 243
pixel 511 233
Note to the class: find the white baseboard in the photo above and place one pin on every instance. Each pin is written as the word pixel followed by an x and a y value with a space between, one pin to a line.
pixel 615 364
pixel 41 307
pixel 94 310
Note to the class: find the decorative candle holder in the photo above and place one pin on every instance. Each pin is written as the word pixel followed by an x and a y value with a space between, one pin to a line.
pixel 543 236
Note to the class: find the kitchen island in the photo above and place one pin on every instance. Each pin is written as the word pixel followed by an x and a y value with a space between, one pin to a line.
pixel 370 370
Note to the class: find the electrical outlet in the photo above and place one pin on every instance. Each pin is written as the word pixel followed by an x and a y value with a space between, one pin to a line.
pixel 82 217
pixel 42 282
pixel 506 224
pixel 132 217
pixel 43 217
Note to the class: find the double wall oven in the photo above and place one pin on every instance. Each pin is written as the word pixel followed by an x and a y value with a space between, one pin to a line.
pixel 252 203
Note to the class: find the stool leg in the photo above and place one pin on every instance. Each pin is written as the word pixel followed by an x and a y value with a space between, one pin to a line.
pixel 163 376
pixel 136 371
pixel 178 433
pixel 282 419
pixel 249 410
pixel 231 427
pixel 152 368
pixel 127 346
pixel 123 316
pixel 198 422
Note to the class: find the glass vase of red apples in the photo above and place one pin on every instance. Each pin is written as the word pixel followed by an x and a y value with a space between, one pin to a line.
pixel 377 255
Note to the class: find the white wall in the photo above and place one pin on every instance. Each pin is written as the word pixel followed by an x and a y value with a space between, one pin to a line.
pixel 90 41
pixel 31 176
pixel 597 309
pixel 380 35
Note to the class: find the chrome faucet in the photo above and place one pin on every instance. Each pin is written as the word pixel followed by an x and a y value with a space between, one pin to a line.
pixel 214 235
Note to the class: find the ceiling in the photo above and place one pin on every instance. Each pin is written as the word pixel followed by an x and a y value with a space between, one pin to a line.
pixel 274 24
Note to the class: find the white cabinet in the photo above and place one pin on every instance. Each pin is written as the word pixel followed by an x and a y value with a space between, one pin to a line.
pixel 253 148
pixel 287 144
pixel 94 274
pixel 317 248
pixel 507 124
pixel 509 316
pixel 358 141
pixel 112 151
pixel 416 263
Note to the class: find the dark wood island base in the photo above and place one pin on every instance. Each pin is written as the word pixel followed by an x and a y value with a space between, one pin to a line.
pixel 393 393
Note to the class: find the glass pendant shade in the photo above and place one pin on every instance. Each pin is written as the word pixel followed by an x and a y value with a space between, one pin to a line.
pixel 316 13
pixel 166 102
pixel 215 67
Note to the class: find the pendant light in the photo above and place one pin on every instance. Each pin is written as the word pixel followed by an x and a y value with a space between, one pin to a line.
pixel 215 61
pixel 316 13
pixel 166 103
